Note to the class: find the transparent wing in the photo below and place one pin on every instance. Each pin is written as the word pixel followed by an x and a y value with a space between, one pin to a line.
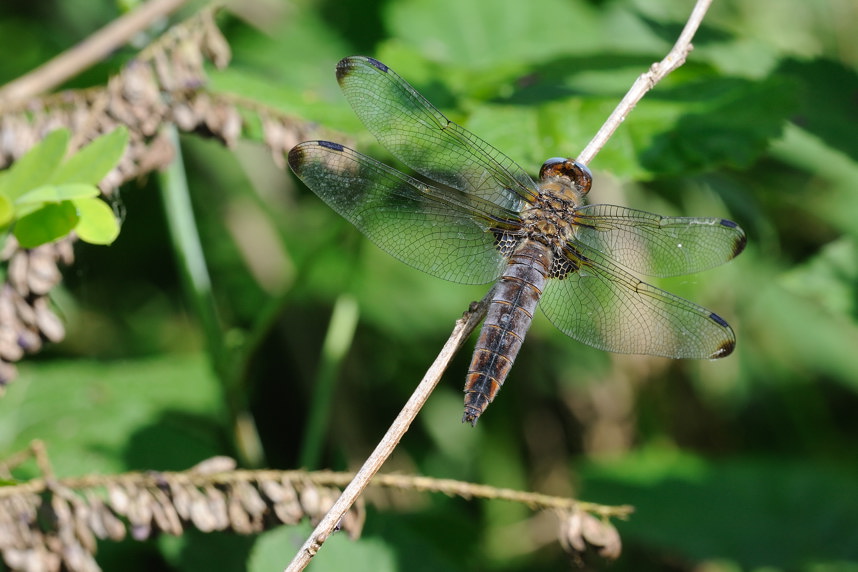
pixel 440 231
pixel 421 137
pixel 605 307
pixel 656 245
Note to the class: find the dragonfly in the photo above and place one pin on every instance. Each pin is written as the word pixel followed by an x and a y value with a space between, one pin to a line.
pixel 471 215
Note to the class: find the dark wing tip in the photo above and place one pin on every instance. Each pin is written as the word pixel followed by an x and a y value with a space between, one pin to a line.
pixel 296 157
pixel 346 65
pixel 741 240
pixel 724 349
pixel 739 245
pixel 343 67
pixel 728 345
pixel 298 153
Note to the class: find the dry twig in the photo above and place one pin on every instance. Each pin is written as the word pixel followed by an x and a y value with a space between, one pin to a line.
pixel 92 50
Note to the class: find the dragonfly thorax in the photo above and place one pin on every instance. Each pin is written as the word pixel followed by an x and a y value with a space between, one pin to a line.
pixel 550 219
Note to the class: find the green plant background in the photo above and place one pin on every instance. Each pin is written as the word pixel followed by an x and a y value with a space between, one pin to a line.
pixel 748 463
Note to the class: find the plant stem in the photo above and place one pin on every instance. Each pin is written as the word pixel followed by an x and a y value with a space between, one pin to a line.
pixel 337 342
pixel 195 275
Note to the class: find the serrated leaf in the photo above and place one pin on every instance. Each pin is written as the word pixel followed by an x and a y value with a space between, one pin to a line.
pixel 738 121
pixel 57 193
pixel 483 34
pixel 91 163
pixel 98 224
pixel 826 91
pixel 37 166
pixel 49 223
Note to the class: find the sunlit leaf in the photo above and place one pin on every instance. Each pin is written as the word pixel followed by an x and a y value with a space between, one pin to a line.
pixel 37 166
pixel 98 224
pixel 57 193
pixel 91 163
pixel 7 211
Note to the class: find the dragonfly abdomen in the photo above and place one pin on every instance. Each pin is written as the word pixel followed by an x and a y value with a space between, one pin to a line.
pixel 508 318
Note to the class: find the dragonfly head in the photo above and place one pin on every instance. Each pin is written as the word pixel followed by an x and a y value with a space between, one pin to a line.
pixel 573 173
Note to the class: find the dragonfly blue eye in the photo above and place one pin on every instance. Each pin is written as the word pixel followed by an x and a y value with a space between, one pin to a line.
pixel 478 217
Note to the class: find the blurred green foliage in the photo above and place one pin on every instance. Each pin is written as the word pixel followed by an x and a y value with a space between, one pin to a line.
pixel 748 463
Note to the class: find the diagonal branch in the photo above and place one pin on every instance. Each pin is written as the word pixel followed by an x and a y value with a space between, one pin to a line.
pixel 93 49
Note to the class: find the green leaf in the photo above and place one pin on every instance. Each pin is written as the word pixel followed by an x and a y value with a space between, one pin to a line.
pixel 102 417
pixel 57 193
pixel 47 224
pixel 91 163
pixel 733 508
pixel 98 224
pixel 37 166
pixel 738 121
pixel 828 278
pixel 826 91
pixel 7 211
pixel 477 35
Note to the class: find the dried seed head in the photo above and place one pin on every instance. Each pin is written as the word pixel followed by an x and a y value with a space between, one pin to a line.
pixel 48 323
pixel 216 501
pixel 214 465
pixel 201 514
pixel 164 513
pixel 581 532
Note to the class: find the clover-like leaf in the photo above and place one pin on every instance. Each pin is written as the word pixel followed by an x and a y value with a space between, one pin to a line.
pixel 46 224
pixel 7 211
pixel 58 193
pixel 91 163
pixel 37 166
pixel 98 224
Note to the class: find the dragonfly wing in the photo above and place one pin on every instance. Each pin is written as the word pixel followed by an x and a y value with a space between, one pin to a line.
pixel 605 307
pixel 655 245
pixel 424 139
pixel 430 228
